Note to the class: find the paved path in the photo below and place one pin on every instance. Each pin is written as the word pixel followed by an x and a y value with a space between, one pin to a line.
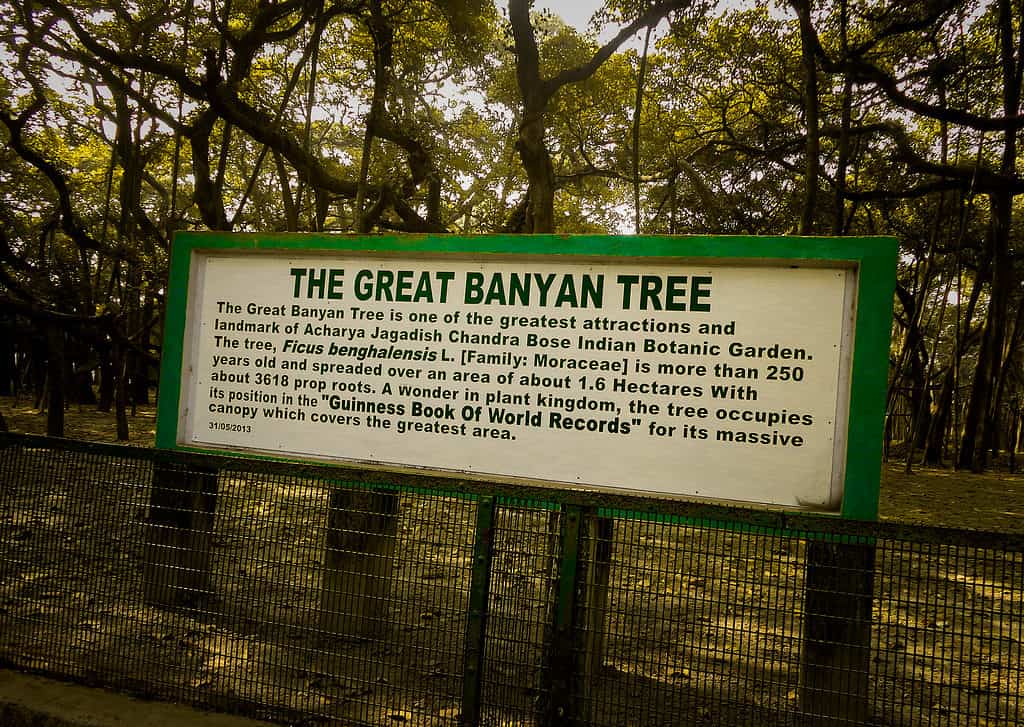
pixel 38 702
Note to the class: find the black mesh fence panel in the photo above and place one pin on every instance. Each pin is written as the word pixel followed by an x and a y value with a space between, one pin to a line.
pixel 313 594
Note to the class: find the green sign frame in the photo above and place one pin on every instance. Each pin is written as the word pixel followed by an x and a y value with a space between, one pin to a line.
pixel 873 258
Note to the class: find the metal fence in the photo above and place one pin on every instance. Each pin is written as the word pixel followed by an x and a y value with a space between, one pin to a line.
pixel 291 593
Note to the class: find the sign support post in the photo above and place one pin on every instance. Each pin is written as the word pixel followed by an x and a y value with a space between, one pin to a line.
pixel 362 528
pixel 836 657
pixel 176 564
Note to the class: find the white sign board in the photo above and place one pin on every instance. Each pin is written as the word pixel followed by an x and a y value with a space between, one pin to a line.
pixel 717 379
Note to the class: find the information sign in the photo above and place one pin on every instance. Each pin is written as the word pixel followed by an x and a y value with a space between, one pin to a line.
pixel 739 369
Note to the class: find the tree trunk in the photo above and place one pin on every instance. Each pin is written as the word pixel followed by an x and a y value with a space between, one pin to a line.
pixel 291 214
pixel 55 381
pixel 637 110
pixel 383 58
pixel 843 161
pixel 533 151
pixel 537 91
pixel 81 381
pixel 920 395
pixel 106 387
pixel 1004 369
pixel 1002 208
pixel 976 420
pixel 673 207
pixel 811 113
pixel 913 369
pixel 939 425
pixel 206 195
pixel 121 394
pixel 37 370
pixel 140 375
pixel 843 149
pixel 7 363
pixel 980 423
pixel 1011 440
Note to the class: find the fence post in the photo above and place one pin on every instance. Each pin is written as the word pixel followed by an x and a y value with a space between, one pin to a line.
pixel 179 531
pixel 593 609
pixel 476 622
pixel 581 611
pixel 359 561
pixel 559 672
pixel 836 655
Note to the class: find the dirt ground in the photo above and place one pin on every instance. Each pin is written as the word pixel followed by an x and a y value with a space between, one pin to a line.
pixel 701 623
pixel 929 495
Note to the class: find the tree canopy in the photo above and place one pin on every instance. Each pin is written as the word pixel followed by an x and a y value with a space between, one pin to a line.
pixel 122 123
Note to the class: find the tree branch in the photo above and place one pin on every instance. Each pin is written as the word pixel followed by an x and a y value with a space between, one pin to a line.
pixel 652 16
pixel 69 222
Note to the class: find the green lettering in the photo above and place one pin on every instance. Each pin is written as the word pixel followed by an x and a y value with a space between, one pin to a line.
pixel 698 291
pixel 592 291
pixel 544 284
pixel 495 291
pixel 675 292
pixel 627 282
pixel 298 274
pixel 445 277
pixel 364 284
pixel 650 287
pixel 519 288
pixel 567 292
pixel 384 280
pixel 474 288
pixel 424 290
pixel 403 286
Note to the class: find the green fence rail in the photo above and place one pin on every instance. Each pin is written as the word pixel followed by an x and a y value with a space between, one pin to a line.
pixel 291 593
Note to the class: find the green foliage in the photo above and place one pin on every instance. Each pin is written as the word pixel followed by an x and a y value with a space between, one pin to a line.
pixel 124 122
